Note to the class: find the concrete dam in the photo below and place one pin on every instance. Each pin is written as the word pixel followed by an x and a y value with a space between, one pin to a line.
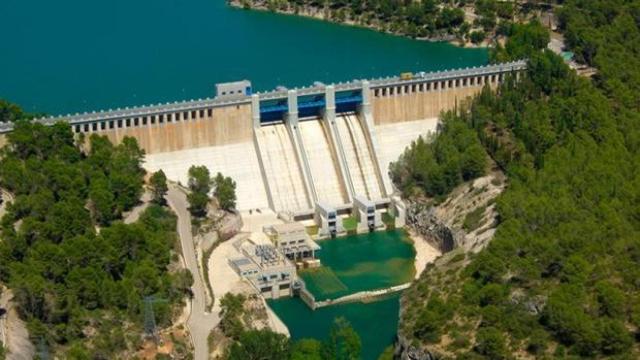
pixel 290 149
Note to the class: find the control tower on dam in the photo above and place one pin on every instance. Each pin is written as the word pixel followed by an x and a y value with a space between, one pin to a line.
pixel 290 149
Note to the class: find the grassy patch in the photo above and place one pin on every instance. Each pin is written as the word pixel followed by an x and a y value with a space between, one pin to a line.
pixel 350 223
pixel 473 220
pixel 312 230
pixel 389 221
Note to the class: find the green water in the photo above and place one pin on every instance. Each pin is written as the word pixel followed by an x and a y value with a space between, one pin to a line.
pixel 376 322
pixel 77 55
pixel 362 262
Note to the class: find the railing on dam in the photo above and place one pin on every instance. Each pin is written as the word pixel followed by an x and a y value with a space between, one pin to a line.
pixel 136 116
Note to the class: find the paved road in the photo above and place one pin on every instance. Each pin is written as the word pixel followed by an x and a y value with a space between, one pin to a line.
pixel 200 322
pixel 135 213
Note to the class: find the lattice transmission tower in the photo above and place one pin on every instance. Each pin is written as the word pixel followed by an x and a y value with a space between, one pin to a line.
pixel 150 329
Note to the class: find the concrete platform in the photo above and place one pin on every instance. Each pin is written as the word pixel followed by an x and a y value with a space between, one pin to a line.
pixel 239 161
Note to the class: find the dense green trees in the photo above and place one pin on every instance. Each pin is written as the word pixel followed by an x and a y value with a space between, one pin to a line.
pixel 200 186
pixel 201 183
pixel 260 345
pixel 560 277
pixel 158 185
pixel 74 286
pixel 435 166
pixel 343 342
pixel 225 191
pixel 10 112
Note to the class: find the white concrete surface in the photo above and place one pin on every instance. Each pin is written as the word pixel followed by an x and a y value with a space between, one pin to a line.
pixel 284 176
pixel 324 166
pixel 359 160
pixel 222 277
pixel 393 139
pixel 255 221
pixel 239 161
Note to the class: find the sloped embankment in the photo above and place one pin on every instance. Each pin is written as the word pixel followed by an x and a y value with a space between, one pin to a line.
pixel 462 224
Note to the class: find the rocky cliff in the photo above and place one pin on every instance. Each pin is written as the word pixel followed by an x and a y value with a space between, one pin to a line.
pixel 459 226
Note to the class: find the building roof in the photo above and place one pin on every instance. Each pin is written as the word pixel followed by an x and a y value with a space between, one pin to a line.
pixel 288 227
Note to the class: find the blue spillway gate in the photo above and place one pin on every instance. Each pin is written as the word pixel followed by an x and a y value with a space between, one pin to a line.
pixel 311 105
pixel 348 101
pixel 273 111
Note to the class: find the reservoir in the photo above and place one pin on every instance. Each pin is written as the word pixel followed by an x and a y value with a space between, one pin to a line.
pixel 358 262
pixel 72 56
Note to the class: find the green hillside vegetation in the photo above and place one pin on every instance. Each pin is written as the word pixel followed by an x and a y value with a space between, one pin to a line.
pixel 436 166
pixel 560 277
pixel 79 289
pixel 421 19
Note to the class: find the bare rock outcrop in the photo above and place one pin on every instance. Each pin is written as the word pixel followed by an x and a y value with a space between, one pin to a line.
pixel 467 218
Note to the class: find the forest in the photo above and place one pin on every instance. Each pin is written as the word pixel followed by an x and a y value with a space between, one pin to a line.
pixel 560 277
pixel 78 273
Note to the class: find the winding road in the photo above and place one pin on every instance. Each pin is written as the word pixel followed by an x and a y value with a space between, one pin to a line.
pixel 200 321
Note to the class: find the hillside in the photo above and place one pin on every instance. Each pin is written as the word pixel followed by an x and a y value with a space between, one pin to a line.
pixel 78 273
pixel 463 22
pixel 559 278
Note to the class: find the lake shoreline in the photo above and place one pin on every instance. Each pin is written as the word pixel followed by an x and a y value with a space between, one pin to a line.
pixel 318 14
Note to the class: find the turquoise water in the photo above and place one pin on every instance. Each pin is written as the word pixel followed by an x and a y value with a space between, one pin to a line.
pixel 376 322
pixel 361 262
pixel 76 55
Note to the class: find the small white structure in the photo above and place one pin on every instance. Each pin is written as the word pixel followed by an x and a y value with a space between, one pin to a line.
pixel 365 211
pixel 294 242
pixel 328 221
pixel 266 269
pixel 233 90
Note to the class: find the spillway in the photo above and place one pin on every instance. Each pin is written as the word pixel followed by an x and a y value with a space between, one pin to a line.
pixel 282 170
pixel 360 162
pixel 322 163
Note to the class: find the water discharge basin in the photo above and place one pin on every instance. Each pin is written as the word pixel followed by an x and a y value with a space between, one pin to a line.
pixel 353 264
pixel 362 262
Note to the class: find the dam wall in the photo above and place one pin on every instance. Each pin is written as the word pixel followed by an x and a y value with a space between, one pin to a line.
pixel 289 149
pixel 416 101
pixel 180 130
